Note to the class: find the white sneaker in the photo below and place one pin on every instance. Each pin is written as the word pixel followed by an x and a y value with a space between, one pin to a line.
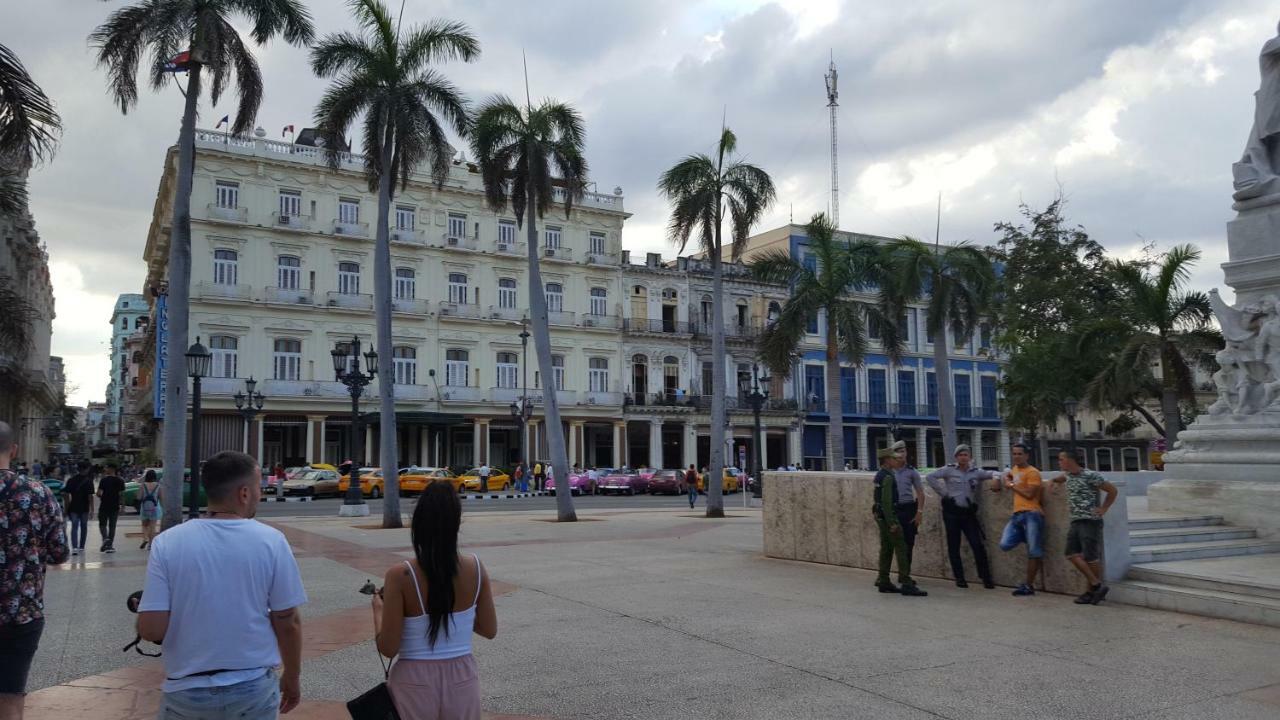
pixel 75 551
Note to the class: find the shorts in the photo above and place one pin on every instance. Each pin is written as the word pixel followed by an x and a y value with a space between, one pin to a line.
pixel 1027 527
pixel 18 645
pixel 1085 538
pixel 436 688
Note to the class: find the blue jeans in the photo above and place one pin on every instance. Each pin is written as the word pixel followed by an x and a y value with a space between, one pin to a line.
pixel 693 495
pixel 257 699
pixel 1027 527
pixel 79 529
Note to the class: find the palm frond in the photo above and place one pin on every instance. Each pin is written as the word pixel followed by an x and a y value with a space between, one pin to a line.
pixel 440 41
pixel 29 125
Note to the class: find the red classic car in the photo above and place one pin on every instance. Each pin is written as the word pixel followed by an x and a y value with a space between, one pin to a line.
pixel 668 482
pixel 627 480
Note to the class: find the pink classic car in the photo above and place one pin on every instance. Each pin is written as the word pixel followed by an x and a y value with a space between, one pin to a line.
pixel 627 480
pixel 579 483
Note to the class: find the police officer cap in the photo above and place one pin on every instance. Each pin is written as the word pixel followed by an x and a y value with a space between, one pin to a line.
pixel 887 452
pixel 962 448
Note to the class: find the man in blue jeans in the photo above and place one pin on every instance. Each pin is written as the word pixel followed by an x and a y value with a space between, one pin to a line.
pixel 79 493
pixel 1027 523
pixel 691 481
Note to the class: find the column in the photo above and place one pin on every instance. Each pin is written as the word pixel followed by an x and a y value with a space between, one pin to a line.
pixel 574 428
pixel 531 453
pixel 763 454
pixel 618 434
pixel 655 444
pixel 257 434
pixel 1006 459
pixel 690 444
pixel 865 461
pixel 484 441
pixel 424 443
pixel 370 450
pixel 796 446
pixel 922 447
pixel 525 446
pixel 476 457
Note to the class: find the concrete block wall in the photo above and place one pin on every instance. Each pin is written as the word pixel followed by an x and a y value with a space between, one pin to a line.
pixel 825 517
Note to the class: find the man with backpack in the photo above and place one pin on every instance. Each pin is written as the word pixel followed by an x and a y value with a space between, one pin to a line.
pixel 691 484
pixel 110 497
pixel 79 494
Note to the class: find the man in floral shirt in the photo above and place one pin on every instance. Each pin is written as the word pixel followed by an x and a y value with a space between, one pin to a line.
pixel 32 535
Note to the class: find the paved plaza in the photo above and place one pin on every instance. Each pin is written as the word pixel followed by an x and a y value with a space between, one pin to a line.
pixel 659 613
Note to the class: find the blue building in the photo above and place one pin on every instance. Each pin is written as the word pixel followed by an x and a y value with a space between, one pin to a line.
pixel 881 397
pixel 131 313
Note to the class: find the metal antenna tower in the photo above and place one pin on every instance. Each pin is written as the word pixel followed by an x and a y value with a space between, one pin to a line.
pixel 833 103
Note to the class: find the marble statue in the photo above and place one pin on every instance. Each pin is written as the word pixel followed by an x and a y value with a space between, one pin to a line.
pixel 1258 172
pixel 1248 378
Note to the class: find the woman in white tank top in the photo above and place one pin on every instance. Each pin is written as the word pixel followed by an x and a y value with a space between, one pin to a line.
pixel 427 611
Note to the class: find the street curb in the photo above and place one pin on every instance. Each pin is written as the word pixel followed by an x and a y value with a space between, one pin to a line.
pixel 501 496
pixel 291 499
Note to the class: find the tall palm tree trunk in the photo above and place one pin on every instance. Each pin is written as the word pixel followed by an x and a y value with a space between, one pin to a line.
pixel 835 403
pixel 178 303
pixel 388 457
pixel 1169 404
pixel 942 379
pixel 542 348
pixel 719 414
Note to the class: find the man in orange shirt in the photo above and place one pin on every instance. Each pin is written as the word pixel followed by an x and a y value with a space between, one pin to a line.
pixel 1027 523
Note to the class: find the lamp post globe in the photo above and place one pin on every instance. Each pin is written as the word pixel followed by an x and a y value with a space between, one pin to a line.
pixel 199 362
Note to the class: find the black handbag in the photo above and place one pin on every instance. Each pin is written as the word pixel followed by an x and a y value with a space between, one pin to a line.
pixel 375 703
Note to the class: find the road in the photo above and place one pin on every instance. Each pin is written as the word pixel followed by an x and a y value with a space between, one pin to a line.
pixel 329 506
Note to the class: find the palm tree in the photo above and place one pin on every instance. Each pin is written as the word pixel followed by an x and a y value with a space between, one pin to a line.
pixel 525 157
pixel 403 101
pixel 1165 326
pixel 959 282
pixel 841 265
pixel 29 128
pixel 164 28
pixel 701 190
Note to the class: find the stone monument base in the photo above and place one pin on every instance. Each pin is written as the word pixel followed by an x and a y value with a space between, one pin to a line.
pixel 1226 465
pixel 360 510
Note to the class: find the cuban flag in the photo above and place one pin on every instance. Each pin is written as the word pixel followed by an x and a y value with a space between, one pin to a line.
pixel 225 119
pixel 287 129
pixel 178 63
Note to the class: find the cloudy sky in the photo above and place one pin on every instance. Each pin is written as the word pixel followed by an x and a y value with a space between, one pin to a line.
pixel 1134 109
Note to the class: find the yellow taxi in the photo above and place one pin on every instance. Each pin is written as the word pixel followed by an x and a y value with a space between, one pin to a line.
pixel 498 480
pixel 371 483
pixel 414 479
pixel 733 479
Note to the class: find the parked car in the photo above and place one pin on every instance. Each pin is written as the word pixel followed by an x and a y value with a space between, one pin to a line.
pixel 371 483
pixel 668 482
pixel 414 480
pixel 579 483
pixel 132 496
pixel 312 483
pixel 733 481
pixel 498 480
pixel 627 481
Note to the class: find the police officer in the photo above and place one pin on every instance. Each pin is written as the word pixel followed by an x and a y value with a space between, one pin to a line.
pixel 958 484
pixel 910 498
pixel 885 508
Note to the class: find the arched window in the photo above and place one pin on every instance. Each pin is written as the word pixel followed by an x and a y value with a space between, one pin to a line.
pixel 507 293
pixel 508 370
pixel 225 351
pixel 457 367
pixel 225 263
pixel 598 374
pixel 349 278
pixel 404 365
pixel 406 284
pixel 555 297
pixel 458 288
pixel 287 359
pixel 599 301
pixel 670 375
pixel 288 272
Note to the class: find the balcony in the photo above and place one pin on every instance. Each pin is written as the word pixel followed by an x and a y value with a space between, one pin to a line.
pixel 296 296
pixel 458 310
pixel 412 306
pixel 210 290
pixel 662 327
pixel 408 237
pixel 596 200
pixel 351 229
pixel 511 249
pixel 733 331
pixel 284 221
pixel 600 398
pixel 300 388
pixel 561 319
pixel 458 242
pixel 504 395
pixel 221 386
pixel 350 301
pixel 411 392
pixel 977 412
pixel 228 214
pixel 602 322
pixel 454 393
pixel 562 254
pixel 501 313
pixel 600 259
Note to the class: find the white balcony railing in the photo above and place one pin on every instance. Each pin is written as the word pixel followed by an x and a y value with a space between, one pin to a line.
pixel 512 249
pixel 560 318
pixel 284 221
pixel 461 310
pixel 410 305
pixel 221 290
pixel 603 398
pixel 221 386
pixel 297 296
pixel 606 322
pixel 458 242
pixel 228 214
pixel 352 229
pixel 351 301
pixel 568 397
pixel 601 259
pixel 558 253
pixel 501 313
pixel 591 199
pixel 412 392
pixel 504 395
pixel 409 237
pixel 454 393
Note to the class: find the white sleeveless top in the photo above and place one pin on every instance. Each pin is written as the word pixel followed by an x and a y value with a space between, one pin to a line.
pixel 460 624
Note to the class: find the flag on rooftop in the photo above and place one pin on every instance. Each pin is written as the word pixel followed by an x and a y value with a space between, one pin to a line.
pixel 287 129
pixel 177 63
pixel 225 119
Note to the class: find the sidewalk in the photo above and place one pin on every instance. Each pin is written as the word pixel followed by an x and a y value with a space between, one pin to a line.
pixel 664 614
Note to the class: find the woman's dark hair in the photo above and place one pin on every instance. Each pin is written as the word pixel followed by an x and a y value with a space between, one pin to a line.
pixel 436 520
pixel 150 476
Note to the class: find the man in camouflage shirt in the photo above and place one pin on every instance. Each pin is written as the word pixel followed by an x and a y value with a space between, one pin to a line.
pixel 1084 538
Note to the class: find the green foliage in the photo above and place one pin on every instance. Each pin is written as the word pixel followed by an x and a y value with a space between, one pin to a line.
pixel 1123 424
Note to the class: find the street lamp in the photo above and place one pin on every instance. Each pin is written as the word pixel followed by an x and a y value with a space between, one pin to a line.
pixel 522 410
pixel 198 361
pixel 346 370
pixel 756 399
pixel 249 403
pixel 1070 405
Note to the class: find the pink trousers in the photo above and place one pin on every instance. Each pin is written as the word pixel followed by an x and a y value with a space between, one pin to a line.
pixel 436 689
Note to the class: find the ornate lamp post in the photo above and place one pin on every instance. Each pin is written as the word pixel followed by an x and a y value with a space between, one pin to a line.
pixel 522 409
pixel 249 403
pixel 1070 405
pixel 199 360
pixel 756 399
pixel 346 370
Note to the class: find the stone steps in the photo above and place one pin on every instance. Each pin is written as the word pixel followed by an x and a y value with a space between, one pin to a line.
pixel 1199 550
pixel 1169 536
pixel 1203 578
pixel 1160 522
pixel 1250 608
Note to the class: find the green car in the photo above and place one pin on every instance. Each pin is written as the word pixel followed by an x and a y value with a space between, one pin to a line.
pixel 133 490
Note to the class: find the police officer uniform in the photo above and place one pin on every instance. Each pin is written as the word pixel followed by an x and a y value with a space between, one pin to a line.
pixel 892 540
pixel 959 490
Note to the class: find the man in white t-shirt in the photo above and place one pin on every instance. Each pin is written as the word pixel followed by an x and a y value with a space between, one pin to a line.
pixel 222 597
pixel 484 477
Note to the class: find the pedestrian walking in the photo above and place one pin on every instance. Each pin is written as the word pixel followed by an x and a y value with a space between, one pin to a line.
pixel 691 484
pixel 593 480
pixel 910 507
pixel 484 477
pixel 110 498
pixel 79 493
pixel 222 597
pixel 1026 525
pixel 958 485
pixel 539 477
pixel 35 536
pixel 519 476
pixel 426 613
pixel 1084 536
pixel 149 507
pixel 892 543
